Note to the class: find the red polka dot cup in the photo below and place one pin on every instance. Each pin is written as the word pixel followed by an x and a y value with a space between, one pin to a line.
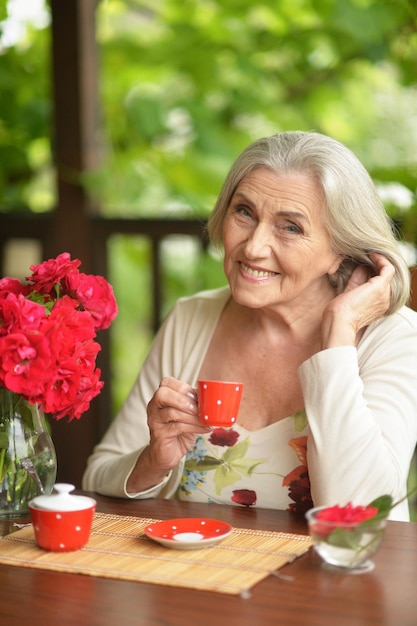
pixel 62 521
pixel 219 402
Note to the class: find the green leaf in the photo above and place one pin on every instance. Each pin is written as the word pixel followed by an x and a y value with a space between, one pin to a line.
pixel 300 421
pixel 207 464
pixel 39 298
pixel 3 10
pixel 383 504
pixel 224 477
pixel 246 466
pixel 4 441
pixel 237 451
pixel 3 465
pixel 343 538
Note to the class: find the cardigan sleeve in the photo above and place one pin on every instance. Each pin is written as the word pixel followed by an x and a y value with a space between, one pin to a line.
pixel 178 350
pixel 114 458
pixel 361 406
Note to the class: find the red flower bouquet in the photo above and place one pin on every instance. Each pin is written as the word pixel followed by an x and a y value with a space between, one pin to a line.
pixel 48 327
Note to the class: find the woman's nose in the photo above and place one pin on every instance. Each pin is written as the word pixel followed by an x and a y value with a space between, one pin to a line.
pixel 259 242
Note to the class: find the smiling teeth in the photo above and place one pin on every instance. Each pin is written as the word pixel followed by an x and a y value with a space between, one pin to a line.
pixel 256 273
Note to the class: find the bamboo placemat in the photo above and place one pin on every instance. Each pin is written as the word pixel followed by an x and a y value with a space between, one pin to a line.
pixel 118 548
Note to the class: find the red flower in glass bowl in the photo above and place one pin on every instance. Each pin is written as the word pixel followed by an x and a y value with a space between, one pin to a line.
pixel 345 517
pixel 346 537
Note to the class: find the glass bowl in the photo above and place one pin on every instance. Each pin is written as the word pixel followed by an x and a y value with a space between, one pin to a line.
pixel 345 546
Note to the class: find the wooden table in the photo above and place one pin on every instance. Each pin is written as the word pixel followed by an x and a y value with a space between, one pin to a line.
pixel 306 594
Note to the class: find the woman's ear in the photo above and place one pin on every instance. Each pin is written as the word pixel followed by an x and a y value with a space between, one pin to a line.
pixel 340 277
pixel 334 268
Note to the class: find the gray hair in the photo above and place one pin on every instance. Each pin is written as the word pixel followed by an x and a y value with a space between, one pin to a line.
pixel 356 219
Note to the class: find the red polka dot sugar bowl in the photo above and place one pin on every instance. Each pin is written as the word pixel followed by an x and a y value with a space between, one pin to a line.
pixel 62 521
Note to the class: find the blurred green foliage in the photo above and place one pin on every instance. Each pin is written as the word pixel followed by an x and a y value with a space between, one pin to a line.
pixel 186 85
pixel 26 168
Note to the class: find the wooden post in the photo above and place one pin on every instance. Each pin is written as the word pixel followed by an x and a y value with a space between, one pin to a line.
pixel 75 97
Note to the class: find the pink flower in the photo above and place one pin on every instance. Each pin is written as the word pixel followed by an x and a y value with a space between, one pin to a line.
pixel 19 314
pixel 12 285
pixel 49 273
pixel 71 393
pixel 223 437
pixel 25 363
pixel 69 327
pixel 95 295
pixel 74 381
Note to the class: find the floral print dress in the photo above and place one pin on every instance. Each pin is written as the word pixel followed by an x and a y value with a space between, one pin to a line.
pixel 265 468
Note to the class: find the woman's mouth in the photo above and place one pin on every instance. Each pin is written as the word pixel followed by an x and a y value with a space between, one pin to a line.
pixel 256 273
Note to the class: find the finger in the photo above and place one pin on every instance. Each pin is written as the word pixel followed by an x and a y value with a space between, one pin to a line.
pixel 384 266
pixel 180 387
pixel 176 394
pixel 358 277
pixel 167 424
pixel 174 427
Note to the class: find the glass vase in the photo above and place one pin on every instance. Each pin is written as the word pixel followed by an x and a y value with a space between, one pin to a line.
pixel 27 455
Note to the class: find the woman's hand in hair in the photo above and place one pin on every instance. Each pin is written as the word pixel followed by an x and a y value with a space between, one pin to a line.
pixel 365 299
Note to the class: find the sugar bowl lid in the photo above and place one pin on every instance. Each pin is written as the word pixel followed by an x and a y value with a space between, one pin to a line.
pixel 61 499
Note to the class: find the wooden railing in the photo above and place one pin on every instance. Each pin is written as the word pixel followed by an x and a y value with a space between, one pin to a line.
pixel 41 227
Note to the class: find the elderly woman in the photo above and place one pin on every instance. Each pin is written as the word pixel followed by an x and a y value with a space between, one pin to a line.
pixel 313 321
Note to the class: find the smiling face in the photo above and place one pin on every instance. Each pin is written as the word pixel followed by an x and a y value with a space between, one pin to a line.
pixel 277 248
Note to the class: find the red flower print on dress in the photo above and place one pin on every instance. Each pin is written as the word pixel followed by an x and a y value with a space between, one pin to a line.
pixel 246 497
pixel 223 437
pixel 298 481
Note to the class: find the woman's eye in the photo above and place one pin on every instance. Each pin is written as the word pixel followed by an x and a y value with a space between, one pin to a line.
pixel 243 210
pixel 293 228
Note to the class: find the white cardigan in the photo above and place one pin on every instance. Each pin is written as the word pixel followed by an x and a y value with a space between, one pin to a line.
pixel 361 405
